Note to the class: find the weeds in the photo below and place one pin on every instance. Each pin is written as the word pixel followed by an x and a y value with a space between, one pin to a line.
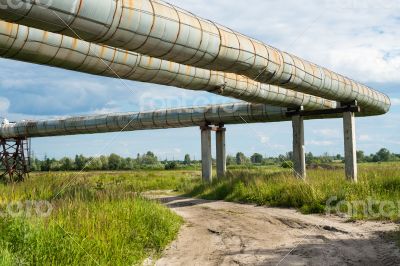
pixel 97 219
pixel 100 217
pixel 278 188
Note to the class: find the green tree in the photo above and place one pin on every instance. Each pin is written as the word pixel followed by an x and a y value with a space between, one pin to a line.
pixel 80 162
pixel 241 158
pixel 309 158
pixel 127 164
pixel 256 158
pixel 149 158
pixel 34 163
pixel 187 160
pixel 46 164
pixel 104 162
pixel 170 166
pixel 383 155
pixel 326 158
pixel 114 162
pixel 230 160
pixel 360 156
pixel 94 164
pixel 66 164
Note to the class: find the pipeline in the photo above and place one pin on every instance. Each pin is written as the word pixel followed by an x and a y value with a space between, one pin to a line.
pixel 235 113
pixel 41 47
pixel 226 114
pixel 159 29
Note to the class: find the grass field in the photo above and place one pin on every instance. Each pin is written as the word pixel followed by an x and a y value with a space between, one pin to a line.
pixel 101 218
pixel 324 190
pixel 97 218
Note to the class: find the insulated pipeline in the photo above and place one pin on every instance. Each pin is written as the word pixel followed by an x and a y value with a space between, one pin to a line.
pixel 37 46
pixel 236 113
pixel 227 114
pixel 159 29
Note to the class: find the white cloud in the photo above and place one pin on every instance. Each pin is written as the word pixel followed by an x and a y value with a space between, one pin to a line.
pixel 105 110
pixel 367 63
pixel 264 139
pixel 320 143
pixel 356 38
pixel 395 101
pixel 4 105
pixel 397 142
pixel 327 132
pixel 364 138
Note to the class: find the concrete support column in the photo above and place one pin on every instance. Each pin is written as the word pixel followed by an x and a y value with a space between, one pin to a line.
pixel 299 159
pixel 221 151
pixel 206 156
pixel 350 152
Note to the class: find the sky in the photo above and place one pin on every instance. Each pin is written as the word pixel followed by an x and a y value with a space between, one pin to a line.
pixel 359 39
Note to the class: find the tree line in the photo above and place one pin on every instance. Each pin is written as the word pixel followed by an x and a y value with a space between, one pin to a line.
pixel 149 160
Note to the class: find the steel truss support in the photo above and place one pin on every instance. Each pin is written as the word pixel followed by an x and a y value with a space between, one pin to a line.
pixel 14 159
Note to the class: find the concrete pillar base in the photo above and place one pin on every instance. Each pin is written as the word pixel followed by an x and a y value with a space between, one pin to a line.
pixel 350 151
pixel 206 156
pixel 299 159
pixel 221 151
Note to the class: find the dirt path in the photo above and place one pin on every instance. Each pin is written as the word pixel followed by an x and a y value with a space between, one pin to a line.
pixel 222 233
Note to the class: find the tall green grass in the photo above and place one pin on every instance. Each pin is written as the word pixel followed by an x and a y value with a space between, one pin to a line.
pixel 98 219
pixel 50 186
pixel 323 190
pixel 121 232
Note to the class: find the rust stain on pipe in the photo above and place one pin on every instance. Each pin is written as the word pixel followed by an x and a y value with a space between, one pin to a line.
pixel 28 44
pixel 158 29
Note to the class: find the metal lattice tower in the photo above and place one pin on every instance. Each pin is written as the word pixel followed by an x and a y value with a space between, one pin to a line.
pixel 14 159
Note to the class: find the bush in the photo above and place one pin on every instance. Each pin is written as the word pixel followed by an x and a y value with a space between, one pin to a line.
pixel 287 164
pixel 171 166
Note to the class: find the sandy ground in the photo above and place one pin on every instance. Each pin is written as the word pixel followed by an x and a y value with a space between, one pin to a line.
pixel 222 233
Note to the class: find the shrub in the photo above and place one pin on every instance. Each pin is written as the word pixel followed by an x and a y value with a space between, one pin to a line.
pixel 287 164
pixel 171 166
